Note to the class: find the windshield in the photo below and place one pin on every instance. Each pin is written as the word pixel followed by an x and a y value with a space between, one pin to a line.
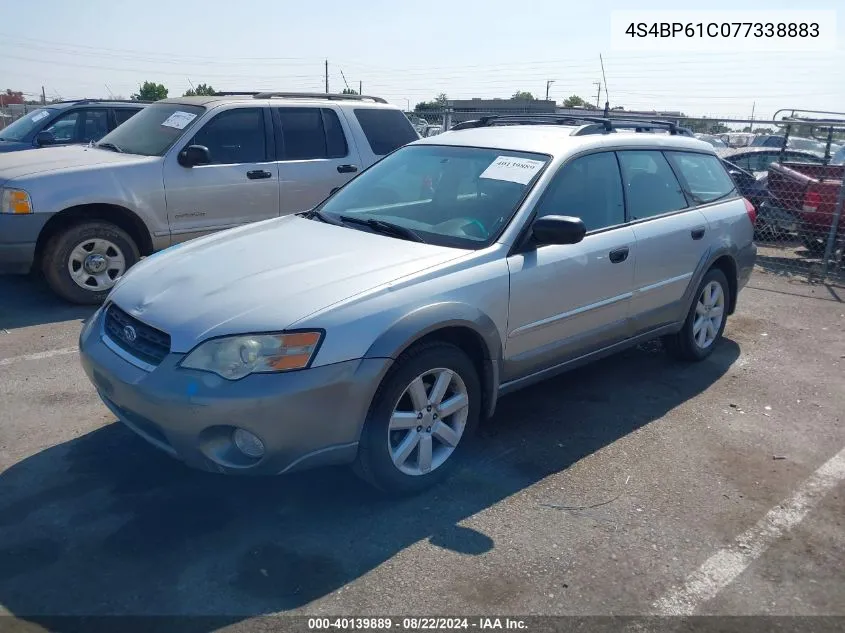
pixel 449 196
pixel 19 130
pixel 154 129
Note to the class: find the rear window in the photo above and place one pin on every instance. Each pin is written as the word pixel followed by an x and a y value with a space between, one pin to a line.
pixel 703 175
pixel 386 130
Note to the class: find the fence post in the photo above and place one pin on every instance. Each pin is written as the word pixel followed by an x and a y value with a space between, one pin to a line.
pixel 834 228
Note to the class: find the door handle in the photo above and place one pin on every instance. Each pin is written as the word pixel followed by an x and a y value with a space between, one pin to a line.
pixel 258 174
pixel 618 255
pixel 347 169
pixel 697 233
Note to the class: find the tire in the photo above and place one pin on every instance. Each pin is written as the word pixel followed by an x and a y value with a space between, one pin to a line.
pixel 379 446
pixel 64 251
pixel 684 344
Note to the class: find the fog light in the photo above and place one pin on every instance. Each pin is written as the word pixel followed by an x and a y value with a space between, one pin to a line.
pixel 248 443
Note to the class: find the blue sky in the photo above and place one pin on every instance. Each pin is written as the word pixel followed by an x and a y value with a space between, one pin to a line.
pixel 404 51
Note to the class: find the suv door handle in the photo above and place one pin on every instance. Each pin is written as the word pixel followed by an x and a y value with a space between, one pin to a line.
pixel 258 174
pixel 697 233
pixel 347 169
pixel 618 255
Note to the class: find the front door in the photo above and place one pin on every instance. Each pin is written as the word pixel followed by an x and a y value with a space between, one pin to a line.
pixel 240 185
pixel 569 300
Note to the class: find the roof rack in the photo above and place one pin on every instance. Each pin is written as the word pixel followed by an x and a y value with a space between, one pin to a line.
pixel 589 124
pixel 314 95
pixel 98 101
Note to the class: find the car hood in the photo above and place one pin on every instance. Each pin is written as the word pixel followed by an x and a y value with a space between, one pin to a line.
pixel 264 277
pixel 13 146
pixel 35 161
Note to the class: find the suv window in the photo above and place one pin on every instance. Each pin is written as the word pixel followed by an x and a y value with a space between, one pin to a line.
pixel 95 125
pixel 385 129
pixel 589 188
pixel 63 129
pixel 650 185
pixel 122 115
pixel 704 176
pixel 235 136
pixel 311 133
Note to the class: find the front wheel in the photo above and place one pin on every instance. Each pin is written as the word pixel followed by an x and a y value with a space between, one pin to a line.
pixel 705 322
pixel 420 420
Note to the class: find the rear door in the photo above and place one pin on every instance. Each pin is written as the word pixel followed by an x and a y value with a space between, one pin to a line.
pixel 314 155
pixel 672 237
pixel 240 185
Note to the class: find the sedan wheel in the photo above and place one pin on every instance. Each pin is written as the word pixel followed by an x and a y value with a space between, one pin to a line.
pixel 705 320
pixel 709 313
pixel 428 421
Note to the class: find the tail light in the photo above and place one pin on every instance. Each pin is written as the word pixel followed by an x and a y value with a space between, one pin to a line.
pixel 812 201
pixel 751 211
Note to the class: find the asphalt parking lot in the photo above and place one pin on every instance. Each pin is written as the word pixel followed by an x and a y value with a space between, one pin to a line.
pixel 637 485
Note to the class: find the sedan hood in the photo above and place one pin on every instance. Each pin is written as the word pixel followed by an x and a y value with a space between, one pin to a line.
pixel 264 277
pixel 36 161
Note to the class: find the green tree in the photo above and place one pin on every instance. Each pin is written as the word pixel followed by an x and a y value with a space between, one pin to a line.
pixel 438 103
pixel 574 102
pixel 202 90
pixel 150 91
pixel 523 95
pixel 349 91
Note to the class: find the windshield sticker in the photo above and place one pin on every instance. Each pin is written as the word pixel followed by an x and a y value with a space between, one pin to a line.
pixel 179 120
pixel 512 169
pixel 40 115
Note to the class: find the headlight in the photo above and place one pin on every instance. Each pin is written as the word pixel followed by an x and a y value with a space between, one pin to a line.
pixel 15 201
pixel 234 357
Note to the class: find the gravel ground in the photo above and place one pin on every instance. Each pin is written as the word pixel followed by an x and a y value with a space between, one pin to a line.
pixel 599 492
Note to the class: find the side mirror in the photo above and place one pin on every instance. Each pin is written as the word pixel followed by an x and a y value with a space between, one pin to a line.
pixel 44 138
pixel 558 229
pixel 194 155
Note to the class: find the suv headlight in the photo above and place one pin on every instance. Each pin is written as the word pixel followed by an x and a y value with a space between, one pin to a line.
pixel 15 201
pixel 234 357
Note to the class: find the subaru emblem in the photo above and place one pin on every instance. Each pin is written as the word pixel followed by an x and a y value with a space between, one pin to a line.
pixel 129 334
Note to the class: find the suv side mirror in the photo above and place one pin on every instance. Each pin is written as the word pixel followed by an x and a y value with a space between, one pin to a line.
pixel 44 138
pixel 558 229
pixel 194 155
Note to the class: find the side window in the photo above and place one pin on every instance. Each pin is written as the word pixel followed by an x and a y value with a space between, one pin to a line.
pixel 589 188
pixel 650 186
pixel 335 138
pixel 703 174
pixel 95 125
pixel 63 129
pixel 743 162
pixel 303 133
pixel 122 115
pixel 385 129
pixel 234 136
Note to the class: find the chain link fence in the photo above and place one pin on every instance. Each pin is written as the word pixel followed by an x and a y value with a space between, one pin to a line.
pixel 791 170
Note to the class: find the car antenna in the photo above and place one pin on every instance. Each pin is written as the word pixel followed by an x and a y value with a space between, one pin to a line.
pixel 606 93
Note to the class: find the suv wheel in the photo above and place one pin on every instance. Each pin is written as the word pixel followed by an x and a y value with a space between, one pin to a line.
pixel 705 322
pixel 84 261
pixel 421 419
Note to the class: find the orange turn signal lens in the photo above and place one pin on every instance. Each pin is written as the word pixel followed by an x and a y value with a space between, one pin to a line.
pixel 16 202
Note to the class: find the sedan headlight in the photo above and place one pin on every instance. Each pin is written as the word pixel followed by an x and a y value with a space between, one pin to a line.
pixel 234 357
pixel 15 201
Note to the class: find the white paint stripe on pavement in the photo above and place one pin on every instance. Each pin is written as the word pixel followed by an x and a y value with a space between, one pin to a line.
pixel 724 566
pixel 38 355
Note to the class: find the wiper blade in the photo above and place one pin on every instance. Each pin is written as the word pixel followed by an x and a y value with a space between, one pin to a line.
pixel 110 146
pixel 386 228
pixel 313 213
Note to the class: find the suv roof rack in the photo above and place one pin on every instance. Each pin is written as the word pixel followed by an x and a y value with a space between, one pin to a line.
pixel 83 101
pixel 307 95
pixel 588 124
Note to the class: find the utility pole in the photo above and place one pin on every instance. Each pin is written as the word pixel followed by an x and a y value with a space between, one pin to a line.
pixel 327 76
pixel 43 96
pixel 753 105
pixel 606 93
pixel 598 94
pixel 549 82
pixel 360 89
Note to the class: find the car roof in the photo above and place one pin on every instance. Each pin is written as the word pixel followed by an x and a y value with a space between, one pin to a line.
pixel 215 100
pixel 63 105
pixel 557 140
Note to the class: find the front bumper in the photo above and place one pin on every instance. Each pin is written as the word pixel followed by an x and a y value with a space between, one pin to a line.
pixel 304 418
pixel 18 237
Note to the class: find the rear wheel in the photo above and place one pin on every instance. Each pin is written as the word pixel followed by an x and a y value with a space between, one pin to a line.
pixel 83 262
pixel 705 322
pixel 420 420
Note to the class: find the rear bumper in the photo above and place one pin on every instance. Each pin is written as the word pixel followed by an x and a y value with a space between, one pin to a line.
pixel 18 237
pixel 745 259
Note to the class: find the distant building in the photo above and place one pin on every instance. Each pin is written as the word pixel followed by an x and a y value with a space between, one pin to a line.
pixel 468 109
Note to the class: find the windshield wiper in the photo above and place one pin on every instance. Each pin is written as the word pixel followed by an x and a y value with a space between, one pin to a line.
pixel 314 214
pixel 110 146
pixel 385 228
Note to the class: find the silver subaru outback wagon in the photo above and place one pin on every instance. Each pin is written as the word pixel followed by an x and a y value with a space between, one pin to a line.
pixel 380 327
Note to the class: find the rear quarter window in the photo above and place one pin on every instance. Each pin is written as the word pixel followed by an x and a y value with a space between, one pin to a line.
pixel 386 130
pixel 703 176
